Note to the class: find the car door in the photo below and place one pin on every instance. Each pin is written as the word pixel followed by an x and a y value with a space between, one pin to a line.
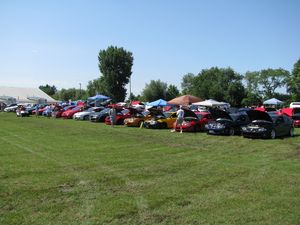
pixel 280 126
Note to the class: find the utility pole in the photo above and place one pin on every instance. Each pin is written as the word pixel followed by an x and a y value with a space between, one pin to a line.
pixel 80 89
pixel 130 89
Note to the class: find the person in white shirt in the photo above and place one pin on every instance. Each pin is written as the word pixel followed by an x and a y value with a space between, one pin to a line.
pixel 179 120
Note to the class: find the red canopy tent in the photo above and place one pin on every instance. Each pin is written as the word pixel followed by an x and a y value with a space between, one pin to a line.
pixel 184 100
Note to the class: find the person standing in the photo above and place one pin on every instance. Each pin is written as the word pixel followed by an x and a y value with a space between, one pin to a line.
pixel 180 117
pixel 112 116
pixel 37 110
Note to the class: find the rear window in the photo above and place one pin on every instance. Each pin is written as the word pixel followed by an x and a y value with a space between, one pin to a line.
pixel 296 110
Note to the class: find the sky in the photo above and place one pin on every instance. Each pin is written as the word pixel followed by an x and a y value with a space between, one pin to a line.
pixel 57 42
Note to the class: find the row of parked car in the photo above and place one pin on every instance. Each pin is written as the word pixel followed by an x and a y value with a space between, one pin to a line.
pixel 258 123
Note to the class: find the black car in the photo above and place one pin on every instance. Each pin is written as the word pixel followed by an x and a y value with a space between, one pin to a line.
pixel 268 125
pixel 99 116
pixel 225 123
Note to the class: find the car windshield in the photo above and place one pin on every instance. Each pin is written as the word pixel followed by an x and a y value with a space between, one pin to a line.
pixel 273 116
pixel 76 108
pixel 67 107
pixel 125 111
pixel 200 116
pixel 105 110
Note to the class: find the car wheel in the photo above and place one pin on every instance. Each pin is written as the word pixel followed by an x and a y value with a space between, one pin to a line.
pixel 273 134
pixel 231 131
pixel 86 117
pixel 291 133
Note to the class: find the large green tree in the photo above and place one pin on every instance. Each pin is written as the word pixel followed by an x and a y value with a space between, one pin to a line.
pixel 187 83
pixel 172 92
pixel 293 82
pixel 271 79
pixel 115 65
pixel 48 89
pixel 221 84
pixel 156 89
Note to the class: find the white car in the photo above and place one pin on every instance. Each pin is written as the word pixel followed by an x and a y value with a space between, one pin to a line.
pixel 85 115
pixel 12 108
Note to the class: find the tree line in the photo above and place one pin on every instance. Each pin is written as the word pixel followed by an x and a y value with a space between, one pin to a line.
pixel 222 84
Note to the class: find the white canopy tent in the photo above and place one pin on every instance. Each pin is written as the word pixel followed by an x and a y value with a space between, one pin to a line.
pixel 26 95
pixel 210 103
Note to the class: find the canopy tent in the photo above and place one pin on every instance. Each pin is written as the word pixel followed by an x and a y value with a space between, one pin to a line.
pixel 184 100
pixel 273 101
pixel 7 99
pixel 99 97
pixel 210 103
pixel 159 102
pixel 26 95
pixel 37 100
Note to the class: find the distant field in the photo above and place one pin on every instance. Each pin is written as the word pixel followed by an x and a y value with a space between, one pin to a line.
pixel 55 171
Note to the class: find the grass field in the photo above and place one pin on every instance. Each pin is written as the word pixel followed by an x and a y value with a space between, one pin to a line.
pixel 55 171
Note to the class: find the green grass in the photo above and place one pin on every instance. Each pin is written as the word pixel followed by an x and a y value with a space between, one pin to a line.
pixel 73 172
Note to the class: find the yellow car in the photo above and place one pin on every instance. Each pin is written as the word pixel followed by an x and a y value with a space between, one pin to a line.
pixel 137 118
pixel 160 119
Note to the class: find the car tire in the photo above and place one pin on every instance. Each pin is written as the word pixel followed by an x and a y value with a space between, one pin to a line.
pixel 273 134
pixel 231 131
pixel 291 132
pixel 86 117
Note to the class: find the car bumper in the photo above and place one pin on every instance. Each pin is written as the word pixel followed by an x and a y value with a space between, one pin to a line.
pixel 261 134
pixel 217 131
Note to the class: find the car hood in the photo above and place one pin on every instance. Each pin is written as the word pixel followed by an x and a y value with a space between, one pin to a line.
pixel 189 113
pixel 217 113
pixel 156 112
pixel 82 113
pixel 259 116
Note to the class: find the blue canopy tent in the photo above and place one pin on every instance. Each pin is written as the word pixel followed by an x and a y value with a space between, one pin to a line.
pixel 97 99
pixel 273 101
pixel 159 102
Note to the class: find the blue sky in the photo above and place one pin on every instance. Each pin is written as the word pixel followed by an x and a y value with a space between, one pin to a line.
pixel 57 42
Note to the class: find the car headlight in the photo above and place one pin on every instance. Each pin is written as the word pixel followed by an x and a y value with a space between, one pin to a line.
pixel 220 126
pixel 244 128
pixel 261 129
pixel 152 122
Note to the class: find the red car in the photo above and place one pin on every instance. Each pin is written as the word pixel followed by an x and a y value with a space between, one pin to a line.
pixel 68 114
pixel 41 110
pixel 60 110
pixel 194 122
pixel 121 116
pixel 293 113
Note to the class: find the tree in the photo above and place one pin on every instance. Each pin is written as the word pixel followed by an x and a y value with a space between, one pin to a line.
pixel 71 93
pixel 115 65
pixel 293 82
pixel 97 86
pixel 252 81
pixel 220 84
pixel 271 79
pixel 172 92
pixel 49 90
pixel 155 90
pixel 187 83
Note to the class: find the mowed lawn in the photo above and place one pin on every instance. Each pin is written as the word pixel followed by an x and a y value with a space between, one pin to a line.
pixel 55 171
